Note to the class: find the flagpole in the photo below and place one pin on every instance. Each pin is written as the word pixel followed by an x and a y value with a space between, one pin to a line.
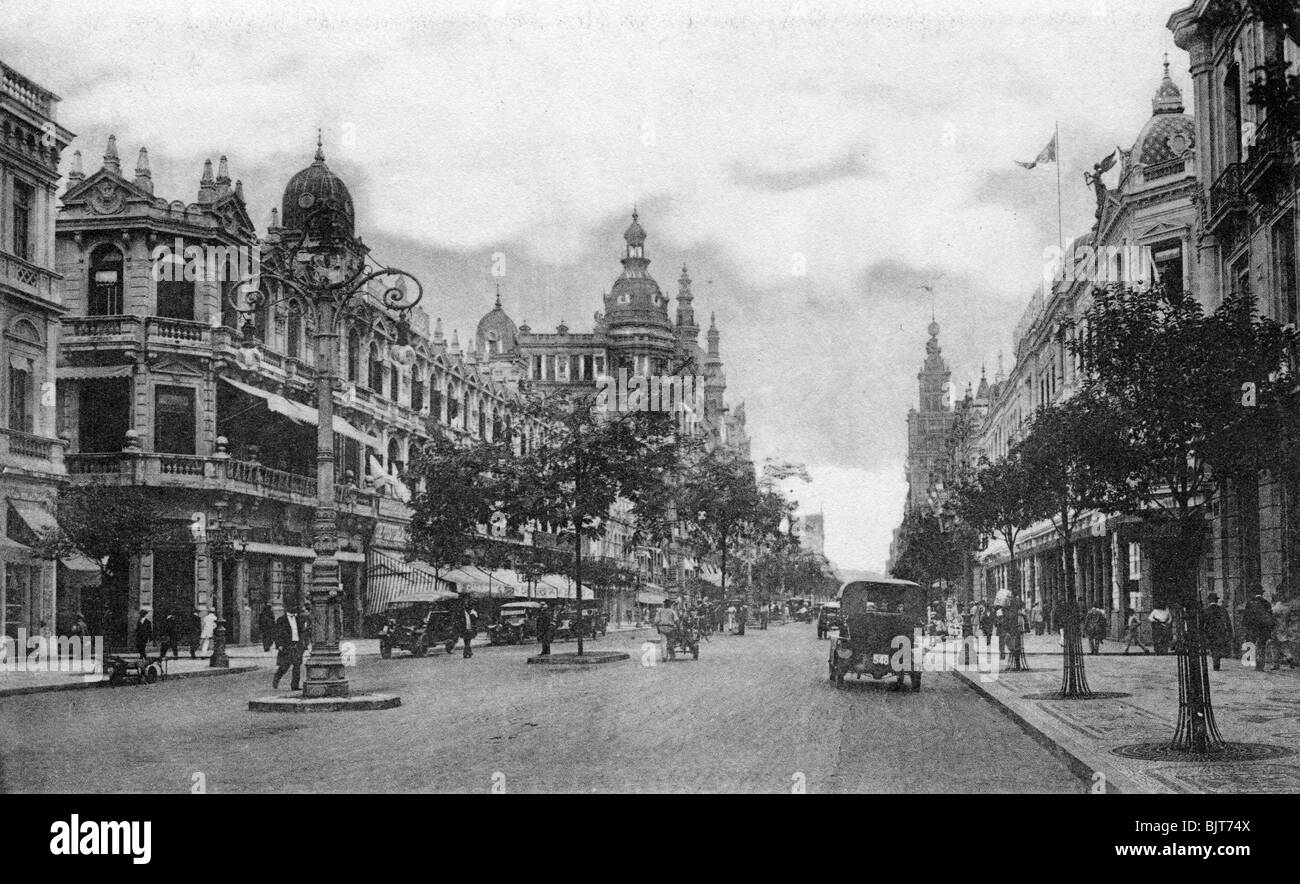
pixel 1060 232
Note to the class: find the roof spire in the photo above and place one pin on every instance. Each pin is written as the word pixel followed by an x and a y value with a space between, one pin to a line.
pixel 498 303
pixel 320 147
pixel 143 177
pixel 207 187
pixel 76 173
pixel 111 162
pixel 1168 98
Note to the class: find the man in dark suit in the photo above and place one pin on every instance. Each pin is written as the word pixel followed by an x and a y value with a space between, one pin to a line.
pixel 468 623
pixel 289 635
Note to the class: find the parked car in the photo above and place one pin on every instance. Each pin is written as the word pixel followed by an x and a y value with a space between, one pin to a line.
pixel 592 623
pixel 417 625
pixel 516 623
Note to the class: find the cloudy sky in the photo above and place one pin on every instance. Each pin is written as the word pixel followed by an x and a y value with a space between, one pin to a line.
pixel 813 163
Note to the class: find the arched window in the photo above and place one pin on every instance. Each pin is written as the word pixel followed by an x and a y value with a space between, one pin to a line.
pixel 496 425
pixel 105 294
pixel 354 355
pixel 435 398
pixel 376 380
pixel 293 332
pixel 394 457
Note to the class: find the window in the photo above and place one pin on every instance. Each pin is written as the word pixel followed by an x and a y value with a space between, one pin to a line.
pixel 417 391
pixel 293 332
pixel 105 295
pixel 376 380
pixel 394 458
pixel 354 355
pixel 21 416
pixel 435 403
pixel 1167 258
pixel 103 414
pixel 1284 248
pixel 1235 133
pixel 394 383
pixel 1134 561
pixel 176 298
pixel 174 420
pixel 24 198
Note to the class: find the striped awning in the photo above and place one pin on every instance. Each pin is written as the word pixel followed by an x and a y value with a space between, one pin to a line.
pixel 390 579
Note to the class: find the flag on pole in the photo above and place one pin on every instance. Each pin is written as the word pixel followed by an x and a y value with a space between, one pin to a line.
pixel 1046 155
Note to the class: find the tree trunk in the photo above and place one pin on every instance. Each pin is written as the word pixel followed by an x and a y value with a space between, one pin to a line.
pixel 1074 681
pixel 577 582
pixel 1016 647
pixel 1196 732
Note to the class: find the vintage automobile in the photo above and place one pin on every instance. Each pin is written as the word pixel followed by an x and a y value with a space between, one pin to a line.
pixel 567 624
pixel 878 623
pixel 415 625
pixel 828 618
pixel 516 623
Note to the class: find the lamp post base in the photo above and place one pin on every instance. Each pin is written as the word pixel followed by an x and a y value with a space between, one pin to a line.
pixel 325 677
pixel 219 660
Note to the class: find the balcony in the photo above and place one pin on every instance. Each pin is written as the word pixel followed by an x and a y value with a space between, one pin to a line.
pixel 1270 158
pixel 17 446
pixel 27 278
pixel 89 334
pixel 195 472
pixel 177 333
pixel 1227 200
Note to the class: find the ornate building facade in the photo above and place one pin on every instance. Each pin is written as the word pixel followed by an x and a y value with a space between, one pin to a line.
pixel 31 454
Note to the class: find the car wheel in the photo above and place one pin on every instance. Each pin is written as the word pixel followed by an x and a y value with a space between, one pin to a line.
pixel 385 650
pixel 117 675
pixel 150 674
pixel 418 649
pixel 451 644
pixel 916 681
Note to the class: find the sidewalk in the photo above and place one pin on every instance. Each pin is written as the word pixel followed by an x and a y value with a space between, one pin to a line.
pixel 1250 707
pixel 16 683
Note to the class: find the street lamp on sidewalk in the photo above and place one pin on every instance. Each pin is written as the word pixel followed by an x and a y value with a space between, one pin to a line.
pixel 324 267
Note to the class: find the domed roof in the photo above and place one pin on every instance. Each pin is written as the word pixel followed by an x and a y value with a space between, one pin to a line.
pixel 496 326
pixel 312 188
pixel 635 298
pixel 1170 133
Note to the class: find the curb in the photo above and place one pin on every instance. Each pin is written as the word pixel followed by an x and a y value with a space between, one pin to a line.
pixel 357 703
pixel 1082 764
pixel 103 682
pixel 591 658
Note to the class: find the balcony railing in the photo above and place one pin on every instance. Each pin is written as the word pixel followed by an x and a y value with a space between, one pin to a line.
pixel 26 92
pixel 20 444
pixel 1226 196
pixel 107 329
pixel 277 481
pixel 218 473
pixel 1271 152
pixel 185 332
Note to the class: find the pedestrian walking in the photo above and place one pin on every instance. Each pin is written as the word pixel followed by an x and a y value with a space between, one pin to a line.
pixel 308 624
pixel 171 635
pixel 195 631
pixel 545 628
pixel 207 629
pixel 1258 622
pixel 1132 633
pixel 143 633
pixel 1281 639
pixel 468 624
pixel 1036 617
pixel 1161 628
pixel 1217 626
pixel 266 626
pixel 1094 627
pixel 289 648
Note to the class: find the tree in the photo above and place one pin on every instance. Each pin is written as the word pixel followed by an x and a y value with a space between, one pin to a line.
pixel 719 505
pixel 928 552
pixel 106 523
pixel 585 462
pixel 1192 398
pixel 461 487
pixel 994 500
pixel 1060 456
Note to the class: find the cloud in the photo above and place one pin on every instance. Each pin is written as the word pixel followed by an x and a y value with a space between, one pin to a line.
pixel 815 161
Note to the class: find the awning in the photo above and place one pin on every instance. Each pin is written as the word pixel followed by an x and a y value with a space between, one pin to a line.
pixel 83 372
pixel 649 598
pixel 303 414
pixel 80 563
pixel 474 581
pixel 390 579
pixel 276 549
pixel 40 519
pixel 13 551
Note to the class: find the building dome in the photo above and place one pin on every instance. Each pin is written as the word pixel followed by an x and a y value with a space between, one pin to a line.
pixel 1170 133
pixel 497 332
pixel 312 188
pixel 635 298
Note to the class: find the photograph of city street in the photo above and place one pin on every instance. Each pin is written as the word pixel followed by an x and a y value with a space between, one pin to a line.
pixel 895 397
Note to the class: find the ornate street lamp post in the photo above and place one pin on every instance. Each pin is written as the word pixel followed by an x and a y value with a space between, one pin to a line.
pixel 324 267
pixel 224 544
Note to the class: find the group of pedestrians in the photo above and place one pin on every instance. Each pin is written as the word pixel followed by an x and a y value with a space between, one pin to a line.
pixel 198 629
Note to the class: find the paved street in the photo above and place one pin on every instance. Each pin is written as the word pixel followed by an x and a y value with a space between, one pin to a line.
pixel 753 714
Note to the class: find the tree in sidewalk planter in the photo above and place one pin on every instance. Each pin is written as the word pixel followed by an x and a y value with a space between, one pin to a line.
pixel 461 487
pixel 588 460
pixel 720 507
pixel 1192 398
pixel 993 499
pixel 106 523
pixel 1059 457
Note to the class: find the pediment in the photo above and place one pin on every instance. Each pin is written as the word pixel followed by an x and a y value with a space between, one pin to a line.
pixel 105 193
pixel 177 367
